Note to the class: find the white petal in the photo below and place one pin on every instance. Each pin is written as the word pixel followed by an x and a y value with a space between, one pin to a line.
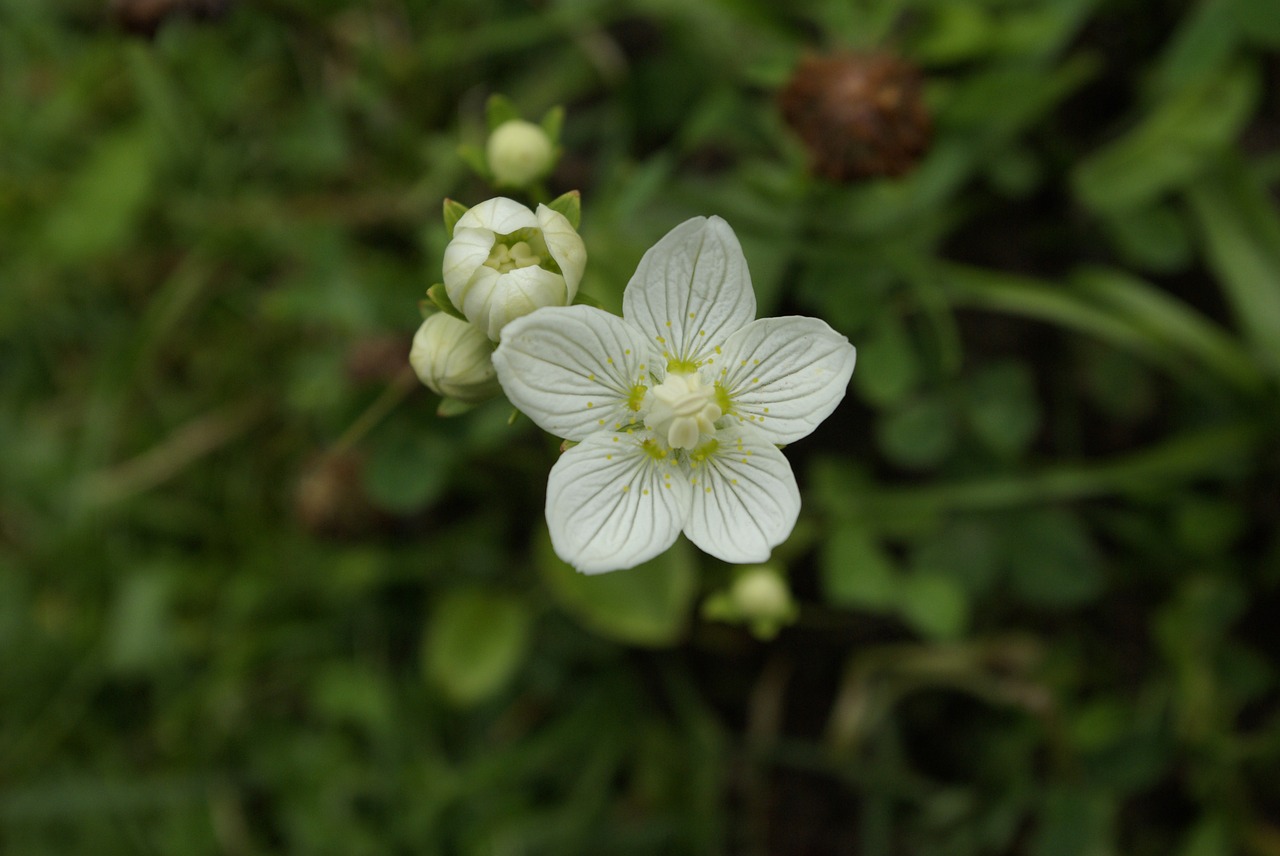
pixel 572 369
pixel 745 499
pixel 474 298
pixel 611 505
pixel 518 292
pixel 785 375
pixel 500 215
pixel 465 254
pixel 692 290
pixel 565 246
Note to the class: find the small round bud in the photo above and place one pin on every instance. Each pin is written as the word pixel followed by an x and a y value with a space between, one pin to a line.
pixel 454 359
pixel 519 153
pixel 758 597
pixel 761 594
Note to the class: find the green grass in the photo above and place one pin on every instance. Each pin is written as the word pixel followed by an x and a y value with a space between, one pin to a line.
pixel 256 597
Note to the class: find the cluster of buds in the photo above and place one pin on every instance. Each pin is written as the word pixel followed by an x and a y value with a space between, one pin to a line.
pixel 503 261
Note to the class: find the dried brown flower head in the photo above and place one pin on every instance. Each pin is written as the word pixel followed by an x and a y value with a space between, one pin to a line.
pixel 859 115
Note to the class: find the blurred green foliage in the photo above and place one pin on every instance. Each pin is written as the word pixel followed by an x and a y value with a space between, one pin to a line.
pixel 255 597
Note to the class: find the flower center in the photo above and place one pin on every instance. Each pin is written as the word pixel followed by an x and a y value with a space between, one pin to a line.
pixel 503 258
pixel 684 408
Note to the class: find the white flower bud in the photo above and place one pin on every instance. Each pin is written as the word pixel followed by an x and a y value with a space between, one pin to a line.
pixel 505 261
pixel 761 594
pixel 519 153
pixel 454 359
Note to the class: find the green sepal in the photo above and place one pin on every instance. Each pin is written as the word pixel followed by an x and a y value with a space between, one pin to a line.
pixel 426 308
pixel 499 109
pixel 552 122
pixel 587 300
pixel 453 211
pixel 570 205
pixel 453 407
pixel 440 298
pixel 515 414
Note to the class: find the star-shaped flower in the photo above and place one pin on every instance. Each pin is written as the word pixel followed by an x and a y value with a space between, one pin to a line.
pixel 677 408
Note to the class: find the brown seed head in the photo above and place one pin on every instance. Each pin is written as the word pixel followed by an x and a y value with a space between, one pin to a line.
pixel 859 115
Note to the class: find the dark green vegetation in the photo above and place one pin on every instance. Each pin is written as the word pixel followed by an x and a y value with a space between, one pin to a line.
pixel 255 597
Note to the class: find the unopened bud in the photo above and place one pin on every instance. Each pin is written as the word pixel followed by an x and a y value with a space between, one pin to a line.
pixel 519 153
pixel 454 359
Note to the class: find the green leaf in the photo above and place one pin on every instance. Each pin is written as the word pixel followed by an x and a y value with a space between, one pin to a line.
pixel 1257 21
pixel 1241 231
pixel 888 370
pixel 439 295
pixel 1117 383
pixel 499 109
pixel 1177 140
pixel 408 467
pixel 934 605
pixel 453 211
pixel 954 32
pixel 570 205
pixel 344 691
pixel 1074 822
pixel 140 630
pixel 1171 322
pixel 1003 409
pixel 1153 237
pixel 919 435
pixel 966 551
pixel 474 643
pixel 856 570
pixel 1207 36
pixel 106 197
pixel 646 605
pixel 1052 561
pixel 1208 526
pixel 1068 308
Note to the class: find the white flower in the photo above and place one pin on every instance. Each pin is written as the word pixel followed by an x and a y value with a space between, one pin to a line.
pixel 677 408
pixel 454 359
pixel 505 261
pixel 519 153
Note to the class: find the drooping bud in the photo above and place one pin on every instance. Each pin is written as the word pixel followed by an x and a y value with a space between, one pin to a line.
pixel 859 115
pixel 454 359
pixel 519 153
